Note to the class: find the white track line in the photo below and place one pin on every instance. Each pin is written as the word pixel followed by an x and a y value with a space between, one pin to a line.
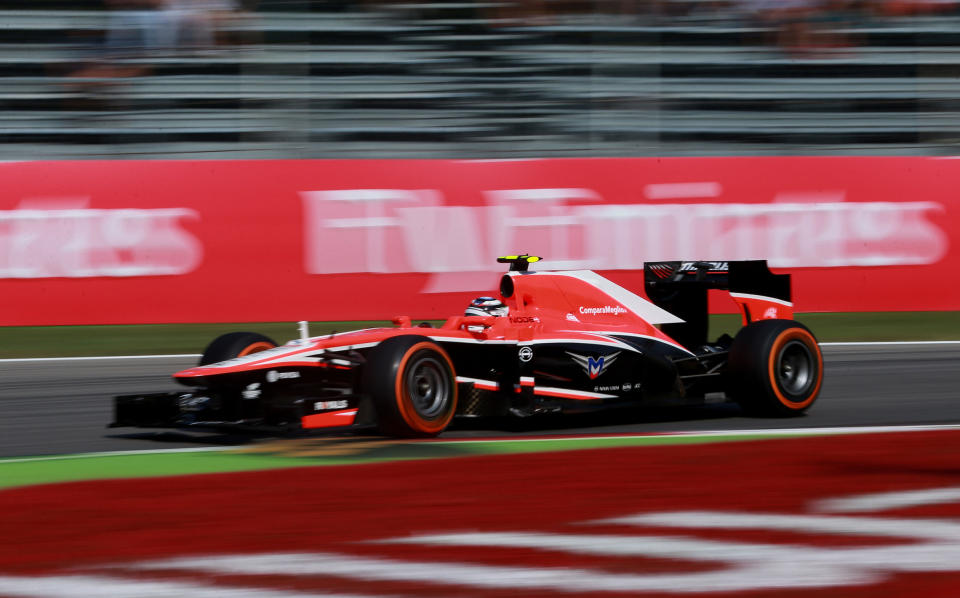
pixel 822 431
pixel 881 527
pixel 98 357
pixel 205 449
pixel 521 580
pixel 100 586
pixel 868 503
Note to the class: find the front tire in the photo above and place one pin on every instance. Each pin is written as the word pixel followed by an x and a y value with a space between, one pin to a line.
pixel 235 344
pixel 775 368
pixel 413 385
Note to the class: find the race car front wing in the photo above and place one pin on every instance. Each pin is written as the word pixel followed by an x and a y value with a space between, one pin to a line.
pixel 203 408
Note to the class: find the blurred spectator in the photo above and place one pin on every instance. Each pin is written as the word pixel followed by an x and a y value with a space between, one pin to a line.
pixel 132 27
pixel 138 30
pixel 195 25
pixel 135 27
pixel 525 12
pixel 155 27
pixel 806 28
pixel 789 22
pixel 835 20
pixel 916 7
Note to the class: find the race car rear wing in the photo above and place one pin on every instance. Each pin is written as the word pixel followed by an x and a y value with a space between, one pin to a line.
pixel 681 288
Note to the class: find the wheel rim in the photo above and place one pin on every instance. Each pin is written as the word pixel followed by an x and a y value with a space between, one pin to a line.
pixel 795 369
pixel 428 387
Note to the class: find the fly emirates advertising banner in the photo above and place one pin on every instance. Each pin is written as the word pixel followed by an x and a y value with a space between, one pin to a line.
pixel 234 241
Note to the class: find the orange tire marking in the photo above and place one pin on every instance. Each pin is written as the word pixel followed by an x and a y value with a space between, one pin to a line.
pixel 410 415
pixel 807 339
pixel 255 348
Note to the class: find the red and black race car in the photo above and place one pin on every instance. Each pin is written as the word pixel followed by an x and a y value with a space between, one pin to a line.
pixel 551 342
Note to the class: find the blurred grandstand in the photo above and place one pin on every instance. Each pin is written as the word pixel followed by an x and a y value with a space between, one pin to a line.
pixel 498 79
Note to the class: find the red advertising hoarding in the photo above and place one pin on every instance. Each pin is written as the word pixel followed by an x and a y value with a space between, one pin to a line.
pixel 233 241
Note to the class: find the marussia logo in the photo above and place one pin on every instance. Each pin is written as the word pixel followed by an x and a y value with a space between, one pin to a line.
pixel 594 367
pixel 712 266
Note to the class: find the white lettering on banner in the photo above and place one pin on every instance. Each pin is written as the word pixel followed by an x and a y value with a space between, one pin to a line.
pixel 661 191
pixel 65 238
pixel 393 230
pixel 359 230
pixel 787 235
pixel 542 219
pixel 450 238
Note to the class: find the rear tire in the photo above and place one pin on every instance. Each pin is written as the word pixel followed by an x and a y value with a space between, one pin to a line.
pixel 235 344
pixel 413 385
pixel 775 368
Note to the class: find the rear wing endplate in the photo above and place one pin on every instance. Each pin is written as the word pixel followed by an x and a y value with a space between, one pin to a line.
pixel 681 288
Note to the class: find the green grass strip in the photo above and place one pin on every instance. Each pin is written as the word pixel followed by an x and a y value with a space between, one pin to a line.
pixel 863 327
pixel 158 339
pixel 147 339
pixel 27 471
pixel 45 471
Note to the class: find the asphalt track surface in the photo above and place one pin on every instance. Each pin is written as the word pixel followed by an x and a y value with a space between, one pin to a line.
pixel 62 406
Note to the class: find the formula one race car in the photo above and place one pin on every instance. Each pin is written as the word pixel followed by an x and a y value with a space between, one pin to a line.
pixel 552 342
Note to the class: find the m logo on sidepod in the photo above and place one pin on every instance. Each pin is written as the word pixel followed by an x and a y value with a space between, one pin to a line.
pixel 594 367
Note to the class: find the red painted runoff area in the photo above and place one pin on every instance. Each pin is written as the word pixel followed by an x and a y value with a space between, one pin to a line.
pixel 854 516
pixel 231 241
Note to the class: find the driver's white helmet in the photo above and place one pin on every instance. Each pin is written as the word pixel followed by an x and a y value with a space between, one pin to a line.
pixel 487 306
